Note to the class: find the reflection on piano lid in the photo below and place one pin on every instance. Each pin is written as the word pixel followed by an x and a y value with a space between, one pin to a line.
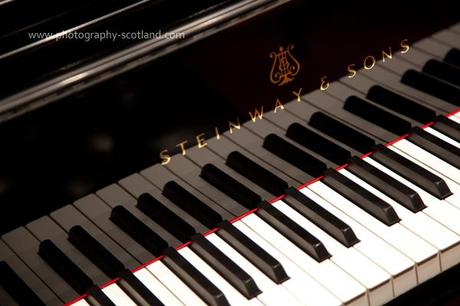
pixel 347 194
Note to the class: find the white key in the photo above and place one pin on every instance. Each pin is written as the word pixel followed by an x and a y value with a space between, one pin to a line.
pixel 299 280
pixel 440 210
pixel 233 296
pixel 114 195
pixel 401 268
pixel 174 284
pixel 6 299
pixel 392 80
pixel 416 57
pixel 448 37
pixel 442 137
pixel 99 213
pixel 433 47
pixel 117 296
pixel 81 302
pixel 398 65
pixel 415 248
pixel 272 294
pixel 375 279
pixel 26 246
pixel 428 159
pixel 309 299
pixel 38 286
pixel 156 287
pixel 455 28
pixel 401 64
pixel 326 272
pixel 455 118
pixel 454 187
pixel 446 241
pixel 45 228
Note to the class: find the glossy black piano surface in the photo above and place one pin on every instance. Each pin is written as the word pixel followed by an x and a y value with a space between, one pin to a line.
pixel 61 145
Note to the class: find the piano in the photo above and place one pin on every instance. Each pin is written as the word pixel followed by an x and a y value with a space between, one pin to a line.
pixel 229 152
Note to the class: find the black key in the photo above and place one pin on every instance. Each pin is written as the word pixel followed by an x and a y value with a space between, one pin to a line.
pixel 317 143
pixel 294 155
pixel 376 115
pixel 400 104
pixel 448 73
pixel 236 276
pixel 65 267
pixel 453 57
pixel 250 200
pixel 293 231
pixel 193 278
pixel 432 86
pixel 436 146
pixel 412 172
pixel 252 252
pixel 165 217
pixel 16 287
pixel 96 252
pixel 140 232
pixel 341 132
pixel 191 204
pixel 332 225
pixel 256 173
pixel 386 184
pixel 98 298
pixel 448 127
pixel 136 290
pixel 359 196
pixel 230 186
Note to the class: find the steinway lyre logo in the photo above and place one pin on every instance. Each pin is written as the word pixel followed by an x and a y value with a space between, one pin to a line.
pixel 285 66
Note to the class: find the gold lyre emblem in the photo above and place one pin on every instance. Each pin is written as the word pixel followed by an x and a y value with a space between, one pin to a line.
pixel 285 66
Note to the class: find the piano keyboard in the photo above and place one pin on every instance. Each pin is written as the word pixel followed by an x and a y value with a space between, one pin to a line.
pixel 364 229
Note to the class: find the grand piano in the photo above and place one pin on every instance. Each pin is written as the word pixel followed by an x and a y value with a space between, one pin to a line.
pixel 229 152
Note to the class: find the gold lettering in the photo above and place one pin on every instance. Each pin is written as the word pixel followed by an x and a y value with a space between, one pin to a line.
pixel 165 157
pixel 182 147
pixel 257 113
pixel 297 94
pixel 352 71
pixel 200 141
pixel 278 105
pixel 216 129
pixel 388 55
pixel 324 83
pixel 366 62
pixel 405 46
pixel 234 126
